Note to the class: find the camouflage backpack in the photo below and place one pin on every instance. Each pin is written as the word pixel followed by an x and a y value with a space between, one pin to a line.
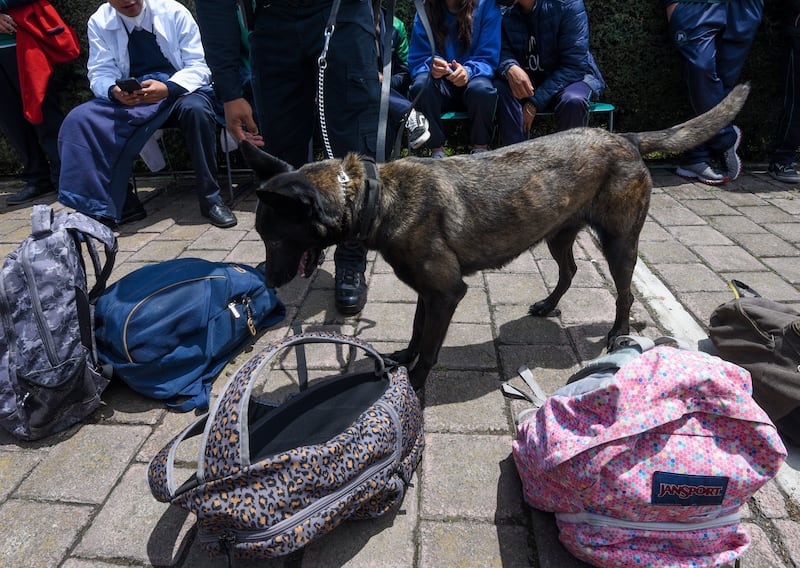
pixel 49 378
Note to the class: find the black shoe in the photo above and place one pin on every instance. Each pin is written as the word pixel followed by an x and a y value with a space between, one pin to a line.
pixel 132 210
pixel 29 193
pixel 351 291
pixel 221 216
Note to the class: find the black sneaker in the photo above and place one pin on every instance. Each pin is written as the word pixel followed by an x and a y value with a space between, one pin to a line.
pixel 787 173
pixel 351 291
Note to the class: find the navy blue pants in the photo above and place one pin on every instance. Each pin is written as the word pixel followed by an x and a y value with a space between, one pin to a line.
pixel 36 144
pixel 479 97
pixel 571 109
pixel 787 138
pixel 714 40
pixel 286 43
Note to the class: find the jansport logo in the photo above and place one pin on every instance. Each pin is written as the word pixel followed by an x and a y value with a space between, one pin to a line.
pixel 683 489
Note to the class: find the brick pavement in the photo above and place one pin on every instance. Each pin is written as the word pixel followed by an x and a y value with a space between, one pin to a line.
pixel 79 499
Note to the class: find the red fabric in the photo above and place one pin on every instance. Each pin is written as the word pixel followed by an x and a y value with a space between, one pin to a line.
pixel 43 40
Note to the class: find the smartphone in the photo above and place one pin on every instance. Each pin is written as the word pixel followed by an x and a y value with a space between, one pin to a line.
pixel 129 85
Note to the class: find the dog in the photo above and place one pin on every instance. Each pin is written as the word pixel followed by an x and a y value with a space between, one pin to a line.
pixel 438 220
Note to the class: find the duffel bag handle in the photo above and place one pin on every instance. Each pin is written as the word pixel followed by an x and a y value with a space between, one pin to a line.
pixel 230 409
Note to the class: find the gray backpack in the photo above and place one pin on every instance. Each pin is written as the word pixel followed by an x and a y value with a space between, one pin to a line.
pixel 49 377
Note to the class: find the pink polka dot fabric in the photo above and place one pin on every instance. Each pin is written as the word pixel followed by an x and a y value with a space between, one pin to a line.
pixel 675 444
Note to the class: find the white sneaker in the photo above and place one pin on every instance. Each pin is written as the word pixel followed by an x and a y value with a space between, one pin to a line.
pixel 417 129
pixel 702 172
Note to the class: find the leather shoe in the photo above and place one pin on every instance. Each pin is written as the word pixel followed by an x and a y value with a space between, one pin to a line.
pixel 221 216
pixel 351 291
pixel 132 210
pixel 29 193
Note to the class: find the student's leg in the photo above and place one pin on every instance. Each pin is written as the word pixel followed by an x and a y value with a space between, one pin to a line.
pixel 509 115
pixel 194 114
pixel 22 134
pixel 572 108
pixel 431 103
pixel 480 98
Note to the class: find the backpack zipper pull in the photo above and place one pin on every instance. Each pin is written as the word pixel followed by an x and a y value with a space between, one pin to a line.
pixel 234 311
pixel 251 324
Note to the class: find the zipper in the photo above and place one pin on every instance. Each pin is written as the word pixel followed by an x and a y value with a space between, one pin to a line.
pixel 605 521
pixel 36 306
pixel 145 299
pixel 230 537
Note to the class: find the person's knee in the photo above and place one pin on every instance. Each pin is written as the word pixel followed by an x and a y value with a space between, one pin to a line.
pixel 573 101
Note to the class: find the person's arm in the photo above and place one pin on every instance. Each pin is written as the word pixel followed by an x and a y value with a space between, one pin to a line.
pixel 509 23
pixel 102 68
pixel 221 36
pixel 573 50
pixel 419 50
pixel 485 48
pixel 183 36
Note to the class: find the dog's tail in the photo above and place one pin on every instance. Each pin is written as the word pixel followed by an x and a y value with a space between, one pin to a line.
pixel 695 131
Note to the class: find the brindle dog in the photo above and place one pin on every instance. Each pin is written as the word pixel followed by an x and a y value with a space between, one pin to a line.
pixel 436 221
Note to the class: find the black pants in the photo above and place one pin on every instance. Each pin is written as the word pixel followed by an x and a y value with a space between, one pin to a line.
pixel 285 46
pixel 787 139
pixel 36 144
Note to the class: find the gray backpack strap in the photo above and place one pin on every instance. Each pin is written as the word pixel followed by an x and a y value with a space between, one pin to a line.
pixel 88 227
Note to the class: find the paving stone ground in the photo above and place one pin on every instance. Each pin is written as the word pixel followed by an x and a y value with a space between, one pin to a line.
pixel 79 499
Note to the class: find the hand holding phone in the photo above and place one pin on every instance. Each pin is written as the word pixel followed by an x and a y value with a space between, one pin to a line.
pixel 129 85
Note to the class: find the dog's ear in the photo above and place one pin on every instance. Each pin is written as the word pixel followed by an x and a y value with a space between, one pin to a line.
pixel 285 191
pixel 263 164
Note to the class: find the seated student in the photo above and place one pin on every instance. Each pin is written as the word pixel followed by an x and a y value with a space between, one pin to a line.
pixel 545 63
pixel 400 108
pixel 157 42
pixel 467 51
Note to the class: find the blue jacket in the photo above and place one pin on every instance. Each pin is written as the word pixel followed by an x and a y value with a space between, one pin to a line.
pixel 483 54
pixel 561 29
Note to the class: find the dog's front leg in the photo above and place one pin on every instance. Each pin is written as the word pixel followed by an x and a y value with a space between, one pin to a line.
pixel 439 308
pixel 408 355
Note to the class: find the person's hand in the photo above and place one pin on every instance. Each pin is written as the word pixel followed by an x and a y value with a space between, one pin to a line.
pixel 126 98
pixel 519 82
pixel 440 68
pixel 240 123
pixel 152 91
pixel 7 24
pixel 459 77
pixel 528 114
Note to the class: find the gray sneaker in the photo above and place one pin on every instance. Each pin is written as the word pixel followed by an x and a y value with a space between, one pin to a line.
pixel 438 154
pixel 701 172
pixel 730 159
pixel 787 173
pixel 417 129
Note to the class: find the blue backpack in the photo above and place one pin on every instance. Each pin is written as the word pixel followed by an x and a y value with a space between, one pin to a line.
pixel 168 329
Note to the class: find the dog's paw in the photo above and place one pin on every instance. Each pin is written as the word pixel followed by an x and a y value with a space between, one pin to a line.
pixel 543 308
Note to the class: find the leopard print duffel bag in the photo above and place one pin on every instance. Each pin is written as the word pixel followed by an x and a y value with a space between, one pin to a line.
pixel 271 477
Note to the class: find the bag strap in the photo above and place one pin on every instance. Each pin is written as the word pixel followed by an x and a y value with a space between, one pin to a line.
pixel 230 410
pixel 161 473
pixel 739 288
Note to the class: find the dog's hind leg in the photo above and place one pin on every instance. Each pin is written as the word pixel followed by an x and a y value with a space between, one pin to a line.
pixel 560 246
pixel 621 253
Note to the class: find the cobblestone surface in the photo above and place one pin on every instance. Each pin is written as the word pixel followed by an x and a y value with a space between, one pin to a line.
pixel 79 499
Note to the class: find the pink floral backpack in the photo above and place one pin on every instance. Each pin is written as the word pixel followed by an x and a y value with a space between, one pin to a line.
pixel 646 456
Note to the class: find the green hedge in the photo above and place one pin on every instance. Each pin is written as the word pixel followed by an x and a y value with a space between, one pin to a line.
pixel 630 42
